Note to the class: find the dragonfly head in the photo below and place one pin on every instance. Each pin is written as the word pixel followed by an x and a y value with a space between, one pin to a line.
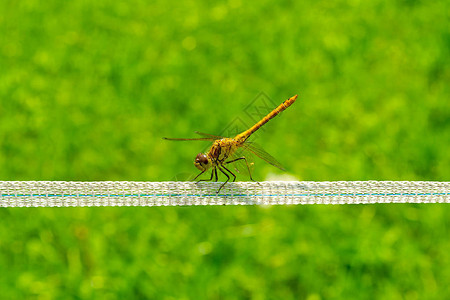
pixel 202 162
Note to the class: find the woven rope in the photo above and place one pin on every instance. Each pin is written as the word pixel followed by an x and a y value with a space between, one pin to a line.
pixel 129 193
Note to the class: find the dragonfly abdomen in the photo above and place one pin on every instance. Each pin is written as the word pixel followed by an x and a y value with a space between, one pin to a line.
pixel 240 138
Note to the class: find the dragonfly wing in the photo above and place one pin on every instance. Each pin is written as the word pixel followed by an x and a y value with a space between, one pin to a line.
pixel 206 137
pixel 215 137
pixel 261 153
pixel 240 165
pixel 197 139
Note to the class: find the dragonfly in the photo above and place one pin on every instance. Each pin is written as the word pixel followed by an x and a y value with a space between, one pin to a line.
pixel 223 150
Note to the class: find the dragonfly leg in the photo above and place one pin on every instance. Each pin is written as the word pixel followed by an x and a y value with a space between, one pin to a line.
pixel 215 172
pixel 234 179
pixel 198 175
pixel 248 168
pixel 212 173
pixel 228 178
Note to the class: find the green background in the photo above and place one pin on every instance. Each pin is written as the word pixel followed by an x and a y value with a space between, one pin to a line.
pixel 87 90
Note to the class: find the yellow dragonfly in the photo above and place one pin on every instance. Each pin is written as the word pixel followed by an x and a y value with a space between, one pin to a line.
pixel 223 149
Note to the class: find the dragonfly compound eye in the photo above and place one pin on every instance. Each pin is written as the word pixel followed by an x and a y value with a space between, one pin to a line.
pixel 201 159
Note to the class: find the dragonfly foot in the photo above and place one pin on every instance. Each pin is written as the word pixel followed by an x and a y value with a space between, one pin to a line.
pixel 256 182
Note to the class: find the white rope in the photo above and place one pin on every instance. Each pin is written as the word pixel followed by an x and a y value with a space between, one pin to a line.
pixel 134 193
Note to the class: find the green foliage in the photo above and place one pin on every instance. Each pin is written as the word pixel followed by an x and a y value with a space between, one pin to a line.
pixel 87 90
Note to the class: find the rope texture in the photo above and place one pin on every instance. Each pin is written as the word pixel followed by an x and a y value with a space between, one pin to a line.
pixel 176 193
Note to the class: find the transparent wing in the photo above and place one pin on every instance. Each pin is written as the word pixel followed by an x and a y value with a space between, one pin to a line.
pixel 261 153
pixel 207 137
pixel 196 139
pixel 241 166
pixel 216 137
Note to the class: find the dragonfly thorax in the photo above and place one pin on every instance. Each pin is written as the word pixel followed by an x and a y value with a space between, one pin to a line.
pixel 202 162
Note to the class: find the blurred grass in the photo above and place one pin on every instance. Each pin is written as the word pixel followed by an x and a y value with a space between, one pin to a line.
pixel 87 90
